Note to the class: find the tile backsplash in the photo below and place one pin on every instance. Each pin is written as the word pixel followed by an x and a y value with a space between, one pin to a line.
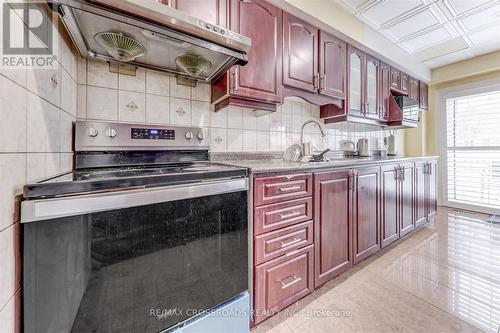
pixel 155 98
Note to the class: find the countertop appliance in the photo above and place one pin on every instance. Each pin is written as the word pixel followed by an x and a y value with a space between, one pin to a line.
pixel 390 144
pixel 145 235
pixel 152 35
pixel 363 147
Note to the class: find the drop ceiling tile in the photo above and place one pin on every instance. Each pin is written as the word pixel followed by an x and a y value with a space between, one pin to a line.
pixel 426 40
pixel 441 49
pixel 411 25
pixel 488 16
pixel 462 6
pixel 486 40
pixel 388 10
pixel 447 59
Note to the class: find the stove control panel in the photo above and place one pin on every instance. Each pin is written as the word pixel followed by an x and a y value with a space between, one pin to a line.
pixel 152 134
pixel 99 136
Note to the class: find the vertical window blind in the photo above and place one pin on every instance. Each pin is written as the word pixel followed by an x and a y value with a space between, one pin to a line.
pixel 473 150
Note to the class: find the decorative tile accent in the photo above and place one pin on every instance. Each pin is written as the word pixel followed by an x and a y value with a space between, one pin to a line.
pixel 132 106
pixel 180 111
pixel 218 139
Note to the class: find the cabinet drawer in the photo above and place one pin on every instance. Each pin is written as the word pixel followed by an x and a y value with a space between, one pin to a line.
pixel 276 243
pixel 283 281
pixel 281 188
pixel 280 215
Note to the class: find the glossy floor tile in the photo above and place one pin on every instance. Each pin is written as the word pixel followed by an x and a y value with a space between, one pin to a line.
pixel 443 278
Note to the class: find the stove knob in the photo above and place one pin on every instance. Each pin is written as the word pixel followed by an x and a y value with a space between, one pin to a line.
pixel 92 132
pixel 189 135
pixel 200 136
pixel 110 132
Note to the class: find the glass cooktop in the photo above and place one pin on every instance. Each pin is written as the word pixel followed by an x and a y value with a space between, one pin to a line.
pixel 119 178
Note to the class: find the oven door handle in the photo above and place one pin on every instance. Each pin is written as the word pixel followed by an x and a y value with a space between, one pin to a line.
pixel 46 209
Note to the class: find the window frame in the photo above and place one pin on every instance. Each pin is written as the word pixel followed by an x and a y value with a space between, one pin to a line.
pixel 440 118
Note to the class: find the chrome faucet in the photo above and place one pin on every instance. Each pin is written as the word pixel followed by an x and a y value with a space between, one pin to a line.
pixel 302 145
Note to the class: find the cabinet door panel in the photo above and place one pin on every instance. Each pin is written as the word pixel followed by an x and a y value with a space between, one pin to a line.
pixel 366 217
pixel 260 79
pixel 332 66
pixel 423 96
pixel 355 80
pixel 371 87
pixel 385 89
pixel 332 230
pixel 390 205
pixel 413 88
pixel 404 82
pixel 407 195
pixel 395 78
pixel 211 11
pixel 420 194
pixel 300 54
pixel 432 189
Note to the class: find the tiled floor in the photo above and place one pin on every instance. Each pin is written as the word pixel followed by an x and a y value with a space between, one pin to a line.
pixel 444 278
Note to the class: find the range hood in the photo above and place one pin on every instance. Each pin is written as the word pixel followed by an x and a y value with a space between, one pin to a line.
pixel 404 112
pixel 148 34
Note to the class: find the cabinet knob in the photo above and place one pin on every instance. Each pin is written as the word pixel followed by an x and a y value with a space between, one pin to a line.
pixel 200 135
pixel 110 132
pixel 189 135
pixel 92 132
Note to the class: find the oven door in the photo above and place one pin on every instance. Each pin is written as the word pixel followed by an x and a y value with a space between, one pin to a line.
pixel 154 259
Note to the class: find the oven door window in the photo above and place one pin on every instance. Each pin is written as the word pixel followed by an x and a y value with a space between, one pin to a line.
pixel 141 269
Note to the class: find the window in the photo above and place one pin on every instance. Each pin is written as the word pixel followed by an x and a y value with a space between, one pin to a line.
pixel 473 150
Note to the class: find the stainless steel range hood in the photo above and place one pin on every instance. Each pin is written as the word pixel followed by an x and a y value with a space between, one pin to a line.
pixel 148 34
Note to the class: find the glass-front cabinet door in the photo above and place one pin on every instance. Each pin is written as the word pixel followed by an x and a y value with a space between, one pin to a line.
pixel 372 68
pixel 355 82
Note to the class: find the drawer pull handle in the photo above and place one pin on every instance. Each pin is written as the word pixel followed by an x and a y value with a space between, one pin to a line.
pixel 290 188
pixel 289 215
pixel 291 283
pixel 293 241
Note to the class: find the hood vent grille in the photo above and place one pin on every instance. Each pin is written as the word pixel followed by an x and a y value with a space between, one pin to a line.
pixel 119 46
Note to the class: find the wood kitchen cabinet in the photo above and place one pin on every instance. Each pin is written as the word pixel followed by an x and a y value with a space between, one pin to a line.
pixel 332 66
pixel 371 88
pixel 420 193
pixel 413 88
pixel 406 212
pixel 423 96
pixel 210 11
pixel 395 79
pixel 356 73
pixel 258 83
pixel 390 204
pixel 404 83
pixel 366 213
pixel 333 224
pixel 398 218
pixel 425 191
pixel 385 90
pixel 300 54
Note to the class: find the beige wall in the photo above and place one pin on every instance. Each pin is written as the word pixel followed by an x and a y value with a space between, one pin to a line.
pixel 422 140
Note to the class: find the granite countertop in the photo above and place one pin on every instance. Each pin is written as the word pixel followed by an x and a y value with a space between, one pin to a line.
pixel 258 165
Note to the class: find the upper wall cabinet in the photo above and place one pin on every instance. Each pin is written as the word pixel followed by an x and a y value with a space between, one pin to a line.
pixel 372 68
pixel 300 54
pixel 424 98
pixel 385 90
pixel 211 11
pixel 413 88
pixel 404 82
pixel 257 84
pixel 355 60
pixel 332 66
